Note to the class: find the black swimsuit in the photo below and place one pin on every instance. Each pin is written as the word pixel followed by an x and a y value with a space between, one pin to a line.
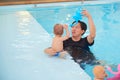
pixel 79 50
pixel 82 43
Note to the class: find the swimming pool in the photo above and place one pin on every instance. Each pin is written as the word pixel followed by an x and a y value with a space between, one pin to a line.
pixel 106 18
pixel 22 38
pixel 22 42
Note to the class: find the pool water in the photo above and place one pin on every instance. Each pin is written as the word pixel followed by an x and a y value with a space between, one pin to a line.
pixel 22 44
pixel 25 29
pixel 106 18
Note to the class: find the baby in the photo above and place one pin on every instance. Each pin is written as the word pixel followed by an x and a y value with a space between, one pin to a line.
pixel 57 42
pixel 99 72
pixel 117 74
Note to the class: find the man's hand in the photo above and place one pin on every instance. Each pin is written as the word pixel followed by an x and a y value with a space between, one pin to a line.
pixel 86 13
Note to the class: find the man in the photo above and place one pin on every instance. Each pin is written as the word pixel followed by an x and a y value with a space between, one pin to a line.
pixel 77 46
pixel 78 30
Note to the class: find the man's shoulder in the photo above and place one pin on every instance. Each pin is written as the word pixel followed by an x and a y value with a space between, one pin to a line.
pixel 90 44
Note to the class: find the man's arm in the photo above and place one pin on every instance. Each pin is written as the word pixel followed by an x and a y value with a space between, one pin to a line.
pixel 92 28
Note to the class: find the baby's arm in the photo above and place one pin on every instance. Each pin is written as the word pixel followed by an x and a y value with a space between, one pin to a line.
pixel 67 32
pixel 109 69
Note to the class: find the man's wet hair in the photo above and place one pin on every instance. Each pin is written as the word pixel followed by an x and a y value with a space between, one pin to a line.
pixel 82 24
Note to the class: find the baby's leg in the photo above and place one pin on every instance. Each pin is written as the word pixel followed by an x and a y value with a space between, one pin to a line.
pixel 63 54
pixel 50 51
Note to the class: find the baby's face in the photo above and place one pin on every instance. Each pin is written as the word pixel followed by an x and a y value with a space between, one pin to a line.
pixel 99 72
pixel 104 74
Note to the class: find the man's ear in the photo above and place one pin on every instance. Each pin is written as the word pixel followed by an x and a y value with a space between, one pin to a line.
pixel 82 31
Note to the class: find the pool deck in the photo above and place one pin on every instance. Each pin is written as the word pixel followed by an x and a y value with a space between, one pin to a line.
pixel 16 2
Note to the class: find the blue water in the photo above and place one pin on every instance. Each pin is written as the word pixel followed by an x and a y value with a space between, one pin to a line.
pixel 25 29
pixel 106 18
pixel 22 44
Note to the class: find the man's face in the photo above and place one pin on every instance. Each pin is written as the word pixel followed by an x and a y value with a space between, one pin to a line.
pixel 76 30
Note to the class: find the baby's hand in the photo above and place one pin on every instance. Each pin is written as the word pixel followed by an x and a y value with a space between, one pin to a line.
pixel 65 26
